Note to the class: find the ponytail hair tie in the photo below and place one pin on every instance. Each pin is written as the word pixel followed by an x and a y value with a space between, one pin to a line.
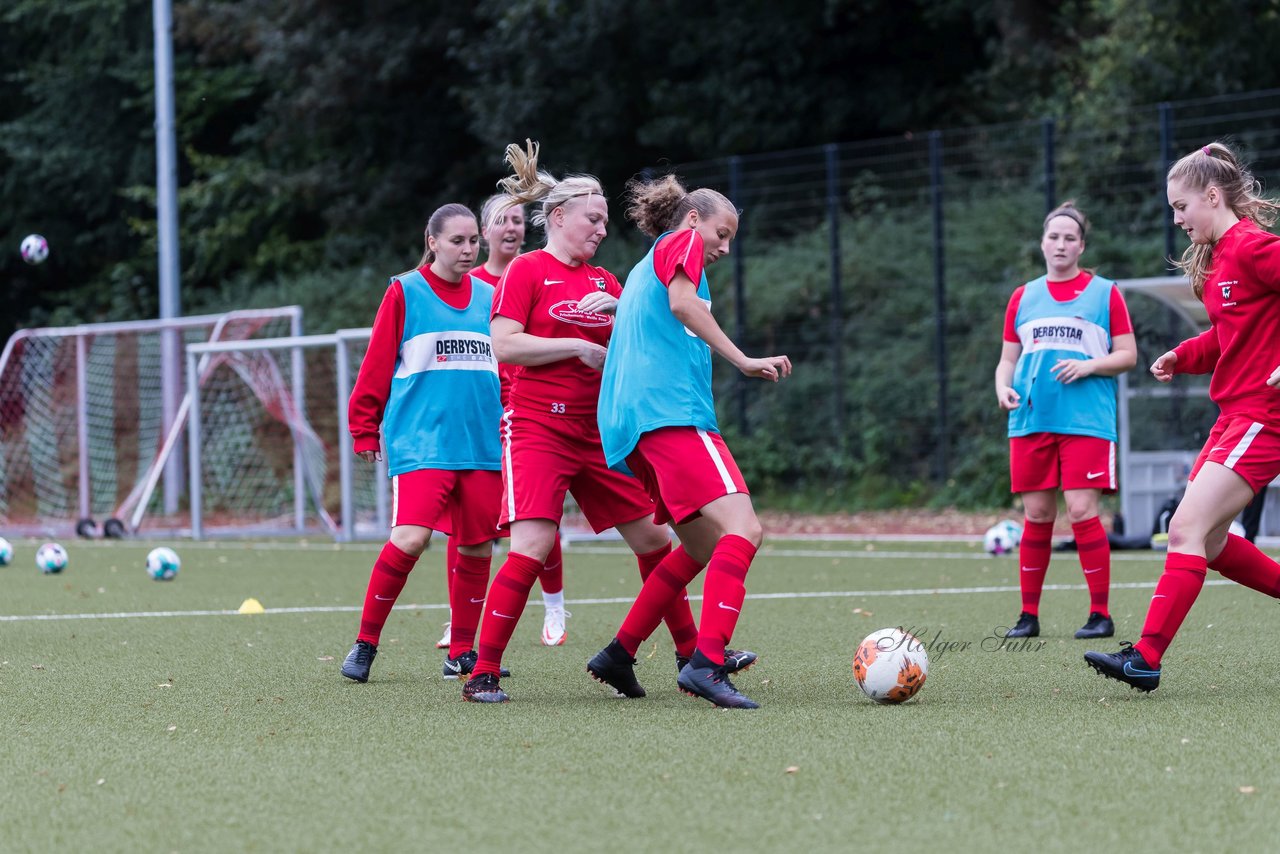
pixel 1206 151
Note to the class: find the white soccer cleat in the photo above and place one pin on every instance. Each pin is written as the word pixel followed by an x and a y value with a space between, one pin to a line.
pixel 553 626
pixel 443 643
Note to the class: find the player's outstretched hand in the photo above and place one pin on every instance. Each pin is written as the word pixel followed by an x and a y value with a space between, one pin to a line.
pixel 771 368
pixel 1274 379
pixel 599 302
pixel 370 456
pixel 1162 368
pixel 592 355
pixel 1008 398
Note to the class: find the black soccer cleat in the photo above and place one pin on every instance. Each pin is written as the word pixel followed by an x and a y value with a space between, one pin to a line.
pixel 484 688
pixel 615 668
pixel 735 661
pixel 1028 626
pixel 455 668
pixel 1126 666
pixel 702 678
pixel 359 660
pixel 1097 626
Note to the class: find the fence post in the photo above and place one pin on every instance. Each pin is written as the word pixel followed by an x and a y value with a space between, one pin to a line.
pixel 739 296
pixel 939 301
pixel 1166 160
pixel 1050 166
pixel 837 296
pixel 194 495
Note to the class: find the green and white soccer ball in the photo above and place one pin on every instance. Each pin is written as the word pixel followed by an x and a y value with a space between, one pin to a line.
pixel 163 563
pixel 6 552
pixel 51 558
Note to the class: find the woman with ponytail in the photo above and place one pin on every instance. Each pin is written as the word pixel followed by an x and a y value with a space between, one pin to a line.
pixel 1234 268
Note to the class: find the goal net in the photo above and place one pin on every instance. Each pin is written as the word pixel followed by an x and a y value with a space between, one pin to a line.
pixel 83 413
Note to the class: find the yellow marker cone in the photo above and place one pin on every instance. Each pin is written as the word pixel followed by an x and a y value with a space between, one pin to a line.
pixel 252 606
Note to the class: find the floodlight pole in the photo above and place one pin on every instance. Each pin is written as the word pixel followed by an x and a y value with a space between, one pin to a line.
pixel 167 237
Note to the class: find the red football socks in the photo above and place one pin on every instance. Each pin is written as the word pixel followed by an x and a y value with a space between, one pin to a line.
pixel 1243 563
pixel 1033 561
pixel 723 592
pixel 552 576
pixel 1095 560
pixel 678 616
pixel 470 581
pixel 507 597
pixel 390 572
pixel 1176 592
pixel 659 594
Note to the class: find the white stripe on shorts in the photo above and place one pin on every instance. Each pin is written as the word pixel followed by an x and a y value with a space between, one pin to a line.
pixel 1111 465
pixel 395 499
pixel 729 486
pixel 506 465
pixel 1254 429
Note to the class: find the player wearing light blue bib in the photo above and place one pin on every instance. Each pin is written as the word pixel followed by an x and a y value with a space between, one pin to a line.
pixel 428 391
pixel 1067 336
pixel 658 373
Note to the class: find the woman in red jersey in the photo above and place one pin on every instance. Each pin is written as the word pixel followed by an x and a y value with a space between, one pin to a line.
pixel 1067 335
pixel 552 315
pixel 428 390
pixel 1234 267
pixel 502 229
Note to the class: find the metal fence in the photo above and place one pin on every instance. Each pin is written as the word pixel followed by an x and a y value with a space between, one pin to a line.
pixel 913 244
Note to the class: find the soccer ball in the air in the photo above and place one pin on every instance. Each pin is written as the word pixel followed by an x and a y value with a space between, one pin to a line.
pixel 163 563
pixel 34 249
pixel 6 552
pixel 1002 537
pixel 51 558
pixel 890 666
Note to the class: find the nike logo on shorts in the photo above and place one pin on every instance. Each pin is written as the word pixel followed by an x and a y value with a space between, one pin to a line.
pixel 1095 474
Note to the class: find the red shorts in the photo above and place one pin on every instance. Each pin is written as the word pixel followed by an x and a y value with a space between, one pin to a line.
pixel 463 504
pixel 1249 448
pixel 1048 460
pixel 684 469
pixel 544 458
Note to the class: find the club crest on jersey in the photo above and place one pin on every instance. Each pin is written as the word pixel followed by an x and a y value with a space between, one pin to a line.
pixel 599 283
pixel 1226 291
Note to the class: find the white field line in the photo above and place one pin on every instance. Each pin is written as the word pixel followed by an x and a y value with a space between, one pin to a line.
pixel 829 594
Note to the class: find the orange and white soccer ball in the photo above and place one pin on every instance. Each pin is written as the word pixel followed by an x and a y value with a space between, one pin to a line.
pixel 890 665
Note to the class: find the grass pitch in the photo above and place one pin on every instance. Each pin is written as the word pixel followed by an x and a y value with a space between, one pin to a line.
pixel 142 715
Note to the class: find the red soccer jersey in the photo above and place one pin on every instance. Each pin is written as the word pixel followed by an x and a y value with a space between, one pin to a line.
pixel 1065 292
pixel 1242 346
pixel 506 373
pixel 680 250
pixel 542 293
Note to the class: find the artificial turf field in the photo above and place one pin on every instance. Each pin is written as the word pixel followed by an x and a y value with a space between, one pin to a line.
pixel 150 716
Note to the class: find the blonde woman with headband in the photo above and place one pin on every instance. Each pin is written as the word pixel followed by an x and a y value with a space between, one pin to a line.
pixel 1067 335
pixel 1234 268
pixel 552 316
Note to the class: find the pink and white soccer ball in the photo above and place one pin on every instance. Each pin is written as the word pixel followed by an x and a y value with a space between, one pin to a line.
pixel 890 666
pixel 34 249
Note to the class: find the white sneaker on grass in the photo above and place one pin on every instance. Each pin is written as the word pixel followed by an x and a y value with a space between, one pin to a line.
pixel 443 643
pixel 553 626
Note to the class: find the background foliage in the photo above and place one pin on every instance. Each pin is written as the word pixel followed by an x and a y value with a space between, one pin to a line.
pixel 315 136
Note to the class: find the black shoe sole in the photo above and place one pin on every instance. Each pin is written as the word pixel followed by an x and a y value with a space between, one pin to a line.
pixel 1095 635
pixel 355 678
pixel 621 694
